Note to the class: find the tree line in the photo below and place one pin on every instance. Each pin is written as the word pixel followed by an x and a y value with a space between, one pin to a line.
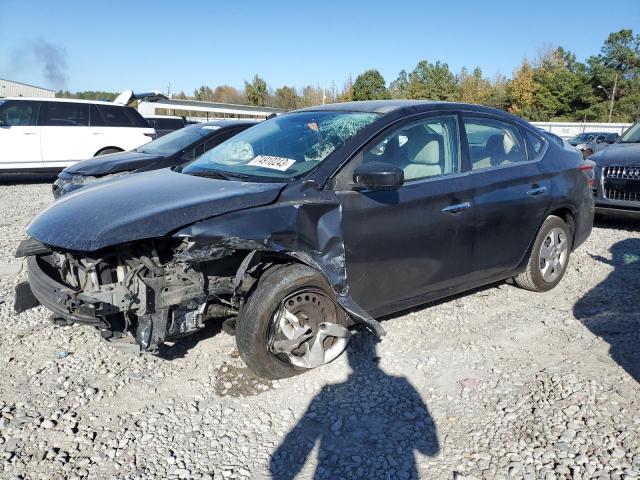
pixel 553 86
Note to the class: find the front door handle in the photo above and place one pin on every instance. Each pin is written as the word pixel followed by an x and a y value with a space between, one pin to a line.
pixel 29 133
pixel 457 208
pixel 534 192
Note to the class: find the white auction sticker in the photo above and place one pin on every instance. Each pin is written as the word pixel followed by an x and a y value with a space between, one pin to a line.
pixel 276 163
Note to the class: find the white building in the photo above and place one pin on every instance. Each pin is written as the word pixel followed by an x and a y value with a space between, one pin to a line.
pixel 204 111
pixel 9 88
pixel 570 129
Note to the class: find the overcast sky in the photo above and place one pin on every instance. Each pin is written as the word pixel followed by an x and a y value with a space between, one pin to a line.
pixel 114 45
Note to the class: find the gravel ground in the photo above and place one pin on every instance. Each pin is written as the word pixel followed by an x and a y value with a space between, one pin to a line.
pixel 498 383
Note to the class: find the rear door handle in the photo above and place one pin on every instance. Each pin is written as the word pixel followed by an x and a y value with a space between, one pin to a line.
pixel 29 133
pixel 457 208
pixel 534 192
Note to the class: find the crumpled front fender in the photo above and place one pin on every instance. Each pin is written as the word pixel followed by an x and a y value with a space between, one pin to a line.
pixel 307 229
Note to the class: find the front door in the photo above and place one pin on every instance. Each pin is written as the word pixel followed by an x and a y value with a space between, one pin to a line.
pixel 418 239
pixel 20 134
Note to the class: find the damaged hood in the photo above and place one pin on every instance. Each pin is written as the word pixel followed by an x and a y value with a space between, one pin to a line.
pixel 113 163
pixel 140 206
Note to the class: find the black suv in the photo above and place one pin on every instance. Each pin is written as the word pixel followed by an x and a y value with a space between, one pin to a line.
pixel 617 175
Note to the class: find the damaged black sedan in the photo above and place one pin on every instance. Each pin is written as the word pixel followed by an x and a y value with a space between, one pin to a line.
pixel 303 226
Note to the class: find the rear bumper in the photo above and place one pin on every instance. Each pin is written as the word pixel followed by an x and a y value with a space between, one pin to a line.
pixel 583 222
pixel 60 299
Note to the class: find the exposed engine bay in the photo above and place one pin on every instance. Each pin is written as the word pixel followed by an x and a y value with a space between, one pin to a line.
pixel 155 290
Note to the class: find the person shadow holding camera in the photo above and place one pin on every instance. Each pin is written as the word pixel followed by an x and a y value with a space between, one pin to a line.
pixel 610 309
pixel 369 426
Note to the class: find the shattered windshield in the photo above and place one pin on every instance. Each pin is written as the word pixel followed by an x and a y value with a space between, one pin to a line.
pixel 283 147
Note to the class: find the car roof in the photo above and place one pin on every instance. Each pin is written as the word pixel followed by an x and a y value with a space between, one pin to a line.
pixel 388 106
pixel 74 100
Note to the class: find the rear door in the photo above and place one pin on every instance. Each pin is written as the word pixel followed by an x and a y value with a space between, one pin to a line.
pixel 66 135
pixel 418 239
pixel 511 191
pixel 20 134
pixel 125 128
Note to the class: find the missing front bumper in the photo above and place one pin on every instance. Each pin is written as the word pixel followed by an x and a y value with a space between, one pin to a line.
pixel 61 300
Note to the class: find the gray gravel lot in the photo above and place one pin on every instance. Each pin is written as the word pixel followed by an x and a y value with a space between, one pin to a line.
pixel 498 383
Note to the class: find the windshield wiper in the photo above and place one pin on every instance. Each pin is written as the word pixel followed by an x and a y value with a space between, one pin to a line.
pixel 217 174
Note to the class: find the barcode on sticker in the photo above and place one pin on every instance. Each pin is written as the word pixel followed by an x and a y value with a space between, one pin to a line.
pixel 276 163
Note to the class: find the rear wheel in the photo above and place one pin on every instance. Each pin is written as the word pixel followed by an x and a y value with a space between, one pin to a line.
pixel 107 151
pixel 291 323
pixel 549 256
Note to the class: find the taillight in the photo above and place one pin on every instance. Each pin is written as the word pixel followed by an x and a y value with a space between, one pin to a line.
pixel 152 136
pixel 589 171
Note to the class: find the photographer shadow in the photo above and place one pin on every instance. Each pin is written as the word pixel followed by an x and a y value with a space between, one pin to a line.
pixel 369 426
pixel 611 309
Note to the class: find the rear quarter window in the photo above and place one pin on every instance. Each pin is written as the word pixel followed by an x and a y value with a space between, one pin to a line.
pixel 534 144
pixel 115 116
pixel 137 119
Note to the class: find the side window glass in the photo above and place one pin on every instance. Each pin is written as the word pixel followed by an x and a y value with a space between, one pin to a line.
pixel 194 152
pixel 115 116
pixel 423 149
pixel 534 144
pixel 17 113
pixel 493 143
pixel 95 119
pixel 67 114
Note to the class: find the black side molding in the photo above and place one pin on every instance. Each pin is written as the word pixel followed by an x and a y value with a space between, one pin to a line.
pixel 25 299
pixel 31 246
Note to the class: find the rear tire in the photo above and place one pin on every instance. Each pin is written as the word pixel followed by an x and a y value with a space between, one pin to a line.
pixel 107 151
pixel 257 319
pixel 549 256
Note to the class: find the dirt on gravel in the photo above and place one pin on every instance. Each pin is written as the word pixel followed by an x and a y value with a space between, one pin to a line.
pixel 496 383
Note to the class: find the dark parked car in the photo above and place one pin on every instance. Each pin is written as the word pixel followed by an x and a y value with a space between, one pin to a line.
pixel 301 227
pixel 617 175
pixel 165 124
pixel 584 137
pixel 177 148
pixel 597 143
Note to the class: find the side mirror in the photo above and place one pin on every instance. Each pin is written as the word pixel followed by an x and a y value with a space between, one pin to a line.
pixel 378 176
pixel 600 139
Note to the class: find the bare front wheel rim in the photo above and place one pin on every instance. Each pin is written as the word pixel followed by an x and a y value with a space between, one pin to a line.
pixel 306 330
pixel 553 254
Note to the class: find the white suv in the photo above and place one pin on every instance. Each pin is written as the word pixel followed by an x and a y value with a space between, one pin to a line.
pixel 52 133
